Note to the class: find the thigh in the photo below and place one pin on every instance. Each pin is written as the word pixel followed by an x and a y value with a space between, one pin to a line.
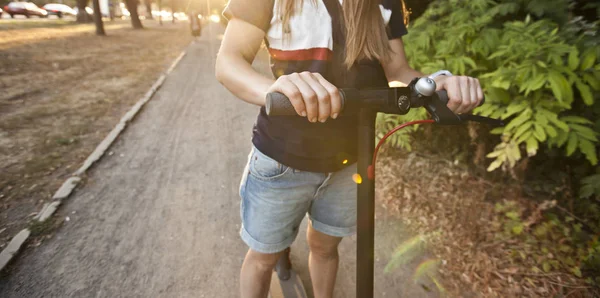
pixel 275 199
pixel 333 212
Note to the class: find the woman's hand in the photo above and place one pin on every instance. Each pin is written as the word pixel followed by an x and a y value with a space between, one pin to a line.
pixel 464 93
pixel 311 95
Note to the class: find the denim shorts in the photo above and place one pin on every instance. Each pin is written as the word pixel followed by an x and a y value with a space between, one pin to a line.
pixel 275 199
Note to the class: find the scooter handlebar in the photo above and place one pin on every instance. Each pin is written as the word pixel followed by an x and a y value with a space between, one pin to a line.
pixel 277 104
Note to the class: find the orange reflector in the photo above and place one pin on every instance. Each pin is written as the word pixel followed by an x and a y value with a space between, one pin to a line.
pixel 345 161
pixel 357 178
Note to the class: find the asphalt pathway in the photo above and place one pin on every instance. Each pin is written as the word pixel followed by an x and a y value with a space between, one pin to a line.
pixel 160 216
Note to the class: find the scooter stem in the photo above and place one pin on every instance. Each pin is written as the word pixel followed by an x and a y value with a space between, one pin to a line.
pixel 365 247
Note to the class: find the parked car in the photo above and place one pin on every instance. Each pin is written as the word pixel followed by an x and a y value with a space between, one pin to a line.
pixel 27 9
pixel 59 10
pixel 89 10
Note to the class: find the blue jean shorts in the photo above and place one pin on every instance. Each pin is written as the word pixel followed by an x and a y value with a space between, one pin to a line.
pixel 275 199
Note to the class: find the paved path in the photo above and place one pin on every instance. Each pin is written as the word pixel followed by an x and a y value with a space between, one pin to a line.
pixel 160 216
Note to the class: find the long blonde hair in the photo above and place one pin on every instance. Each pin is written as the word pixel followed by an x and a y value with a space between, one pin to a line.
pixel 365 32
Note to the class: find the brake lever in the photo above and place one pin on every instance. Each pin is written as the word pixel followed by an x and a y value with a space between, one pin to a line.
pixel 439 112
pixel 436 104
pixel 481 119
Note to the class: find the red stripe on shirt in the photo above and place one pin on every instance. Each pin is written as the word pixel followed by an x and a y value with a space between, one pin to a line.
pixel 302 55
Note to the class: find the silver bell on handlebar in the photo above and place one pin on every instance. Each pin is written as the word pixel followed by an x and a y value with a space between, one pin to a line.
pixel 425 86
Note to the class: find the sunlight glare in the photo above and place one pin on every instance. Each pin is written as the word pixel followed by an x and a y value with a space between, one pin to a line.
pixel 215 18
pixel 357 178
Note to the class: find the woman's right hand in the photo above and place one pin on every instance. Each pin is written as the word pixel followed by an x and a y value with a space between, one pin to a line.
pixel 311 95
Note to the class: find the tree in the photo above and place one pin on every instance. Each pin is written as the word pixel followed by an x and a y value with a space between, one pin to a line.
pixel 82 15
pixel 98 18
pixel 173 5
pixel 148 4
pixel 160 12
pixel 132 6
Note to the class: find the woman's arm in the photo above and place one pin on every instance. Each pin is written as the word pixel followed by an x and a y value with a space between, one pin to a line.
pixel 464 92
pixel 234 62
pixel 311 95
pixel 397 70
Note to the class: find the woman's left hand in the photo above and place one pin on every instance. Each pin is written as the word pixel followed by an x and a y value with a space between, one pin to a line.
pixel 464 93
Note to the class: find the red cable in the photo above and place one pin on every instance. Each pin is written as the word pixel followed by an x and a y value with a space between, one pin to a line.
pixel 371 168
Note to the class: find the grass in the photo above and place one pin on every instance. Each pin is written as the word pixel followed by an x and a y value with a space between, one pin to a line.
pixel 63 90
pixel 12 24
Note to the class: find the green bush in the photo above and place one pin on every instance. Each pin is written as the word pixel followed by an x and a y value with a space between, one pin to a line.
pixel 538 65
pixel 539 73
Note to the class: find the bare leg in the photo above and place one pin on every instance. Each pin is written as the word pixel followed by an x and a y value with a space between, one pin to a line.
pixel 255 277
pixel 322 261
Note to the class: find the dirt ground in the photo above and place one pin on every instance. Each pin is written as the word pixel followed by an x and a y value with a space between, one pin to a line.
pixel 63 89
pixel 453 208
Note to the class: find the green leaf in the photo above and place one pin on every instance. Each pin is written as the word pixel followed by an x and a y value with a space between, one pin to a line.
pixel 512 215
pixel 516 122
pixel 586 93
pixel 571 144
pixel 537 82
pixel 498 95
pixel 590 185
pixel 522 129
pixel 561 139
pixel 469 61
pixel 589 57
pixel 541 119
pixel 573 59
pixel 592 81
pixel 540 230
pixel 585 132
pixel 576 271
pixel 589 150
pixel 495 164
pixel 524 137
pixel 550 131
pixel 554 119
pixel 575 119
pixel 497 131
pixel 539 133
pixel 556 85
pixel 541 64
pixel 517 229
pixel 495 153
pixel 532 146
pixel 546 267
pixel 499 83
pixel 514 107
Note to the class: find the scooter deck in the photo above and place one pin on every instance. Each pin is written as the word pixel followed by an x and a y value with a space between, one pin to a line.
pixel 291 288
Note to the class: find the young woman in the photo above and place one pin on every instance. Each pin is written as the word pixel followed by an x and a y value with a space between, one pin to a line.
pixel 304 164
pixel 195 24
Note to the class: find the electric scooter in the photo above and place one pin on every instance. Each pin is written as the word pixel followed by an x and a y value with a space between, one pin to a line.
pixel 366 104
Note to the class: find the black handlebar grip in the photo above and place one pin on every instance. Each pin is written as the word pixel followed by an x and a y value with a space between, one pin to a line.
pixel 443 96
pixel 277 104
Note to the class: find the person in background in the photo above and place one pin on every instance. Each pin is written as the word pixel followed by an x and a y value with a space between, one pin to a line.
pixel 195 25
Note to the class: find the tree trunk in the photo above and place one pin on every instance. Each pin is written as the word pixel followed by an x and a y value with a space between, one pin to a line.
pixel 148 4
pixel 98 18
pixel 173 11
pixel 132 6
pixel 159 2
pixel 111 9
pixel 82 15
